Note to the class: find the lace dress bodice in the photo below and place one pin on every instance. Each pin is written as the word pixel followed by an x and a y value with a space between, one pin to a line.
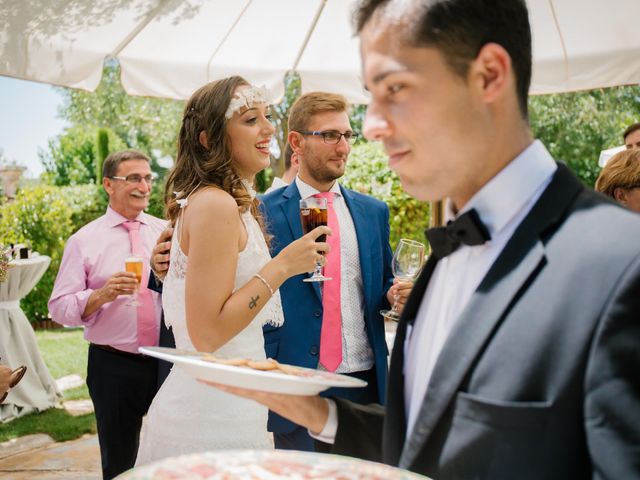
pixel 250 260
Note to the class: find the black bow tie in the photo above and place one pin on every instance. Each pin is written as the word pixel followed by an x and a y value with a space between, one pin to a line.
pixel 467 229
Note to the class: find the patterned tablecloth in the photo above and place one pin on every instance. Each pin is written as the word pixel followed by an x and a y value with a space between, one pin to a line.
pixel 37 391
pixel 266 465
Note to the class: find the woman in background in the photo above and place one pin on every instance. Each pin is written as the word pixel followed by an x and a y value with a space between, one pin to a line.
pixel 620 179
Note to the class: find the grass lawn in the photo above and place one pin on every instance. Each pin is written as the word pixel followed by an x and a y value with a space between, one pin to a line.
pixel 65 353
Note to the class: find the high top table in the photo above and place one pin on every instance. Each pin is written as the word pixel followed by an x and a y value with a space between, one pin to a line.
pixel 37 391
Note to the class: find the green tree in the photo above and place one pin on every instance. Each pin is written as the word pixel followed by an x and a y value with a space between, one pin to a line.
pixel 102 144
pixel 147 124
pixel 280 114
pixel 71 157
pixel 367 172
pixel 577 126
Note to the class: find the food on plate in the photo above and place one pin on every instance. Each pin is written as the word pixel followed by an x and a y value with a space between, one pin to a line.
pixel 265 365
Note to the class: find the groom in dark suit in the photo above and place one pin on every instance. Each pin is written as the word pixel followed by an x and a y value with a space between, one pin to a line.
pixel 517 353
pixel 359 263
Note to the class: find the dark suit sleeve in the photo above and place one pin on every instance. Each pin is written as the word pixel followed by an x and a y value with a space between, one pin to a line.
pixel 359 431
pixel 612 387
pixel 154 284
pixel 387 258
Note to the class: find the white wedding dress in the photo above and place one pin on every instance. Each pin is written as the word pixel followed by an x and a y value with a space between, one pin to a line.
pixel 187 416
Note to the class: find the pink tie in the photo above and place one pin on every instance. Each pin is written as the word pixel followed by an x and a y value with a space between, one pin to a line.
pixel 331 332
pixel 147 328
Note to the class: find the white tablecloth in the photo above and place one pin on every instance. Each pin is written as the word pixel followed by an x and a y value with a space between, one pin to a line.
pixel 37 391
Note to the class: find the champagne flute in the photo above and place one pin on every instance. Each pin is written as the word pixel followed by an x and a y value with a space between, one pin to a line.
pixel 134 264
pixel 313 213
pixel 406 264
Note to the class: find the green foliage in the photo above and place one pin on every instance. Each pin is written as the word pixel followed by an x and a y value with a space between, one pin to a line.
pixel 156 200
pixel 71 157
pixel 85 203
pixel 44 217
pixel 102 143
pixel 147 124
pixel 576 127
pixel 367 172
pixel 280 115
pixel 263 180
pixel 57 423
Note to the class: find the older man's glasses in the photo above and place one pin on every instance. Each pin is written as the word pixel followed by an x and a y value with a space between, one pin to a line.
pixel 333 137
pixel 134 178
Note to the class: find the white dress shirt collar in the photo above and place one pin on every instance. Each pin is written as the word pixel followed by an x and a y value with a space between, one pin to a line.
pixel 506 194
pixel 307 190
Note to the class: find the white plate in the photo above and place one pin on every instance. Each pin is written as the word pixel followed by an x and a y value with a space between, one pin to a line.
pixel 306 382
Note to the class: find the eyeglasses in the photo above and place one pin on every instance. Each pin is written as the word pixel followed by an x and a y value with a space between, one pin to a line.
pixel 135 178
pixel 332 137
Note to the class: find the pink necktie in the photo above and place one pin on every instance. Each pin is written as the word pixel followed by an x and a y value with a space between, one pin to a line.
pixel 147 328
pixel 331 332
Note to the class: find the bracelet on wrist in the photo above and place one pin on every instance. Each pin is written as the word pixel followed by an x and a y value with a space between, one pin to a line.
pixel 266 284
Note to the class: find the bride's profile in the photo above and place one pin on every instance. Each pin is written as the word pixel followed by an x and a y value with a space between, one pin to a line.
pixel 222 285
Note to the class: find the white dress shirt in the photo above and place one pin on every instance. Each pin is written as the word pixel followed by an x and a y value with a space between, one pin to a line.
pixel 357 355
pixel 502 204
pixel 276 184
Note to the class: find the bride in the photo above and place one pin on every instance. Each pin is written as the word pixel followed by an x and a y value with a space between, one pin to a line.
pixel 221 287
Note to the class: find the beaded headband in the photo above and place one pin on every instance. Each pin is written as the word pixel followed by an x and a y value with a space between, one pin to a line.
pixel 245 98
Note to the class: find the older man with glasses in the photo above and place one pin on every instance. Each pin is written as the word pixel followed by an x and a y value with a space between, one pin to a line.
pixel 92 290
pixel 335 327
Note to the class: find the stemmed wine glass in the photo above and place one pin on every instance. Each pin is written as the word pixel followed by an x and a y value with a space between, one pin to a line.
pixel 134 264
pixel 313 213
pixel 406 264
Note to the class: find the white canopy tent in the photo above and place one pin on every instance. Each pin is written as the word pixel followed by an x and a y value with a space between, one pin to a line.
pixel 168 48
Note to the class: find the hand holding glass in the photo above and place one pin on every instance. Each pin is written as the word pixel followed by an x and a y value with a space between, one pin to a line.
pixel 406 264
pixel 313 213
pixel 134 265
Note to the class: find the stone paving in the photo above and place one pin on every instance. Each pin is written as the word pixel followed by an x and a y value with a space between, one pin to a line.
pixel 39 457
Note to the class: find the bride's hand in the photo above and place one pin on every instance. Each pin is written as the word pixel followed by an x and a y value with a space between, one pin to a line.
pixel 301 255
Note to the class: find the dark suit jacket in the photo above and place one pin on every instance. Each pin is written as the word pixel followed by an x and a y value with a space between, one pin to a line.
pixel 539 378
pixel 165 339
pixel 298 341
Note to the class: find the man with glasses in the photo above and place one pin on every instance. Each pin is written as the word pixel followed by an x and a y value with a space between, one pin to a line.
pixel 92 290
pixel 320 135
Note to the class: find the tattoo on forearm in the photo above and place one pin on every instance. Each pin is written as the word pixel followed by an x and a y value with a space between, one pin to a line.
pixel 254 302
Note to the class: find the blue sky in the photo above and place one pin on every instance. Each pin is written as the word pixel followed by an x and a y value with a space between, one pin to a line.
pixel 28 118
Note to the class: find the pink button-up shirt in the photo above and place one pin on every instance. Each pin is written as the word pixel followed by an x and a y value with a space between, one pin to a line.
pixel 91 256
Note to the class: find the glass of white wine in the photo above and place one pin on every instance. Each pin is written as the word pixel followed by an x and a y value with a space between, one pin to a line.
pixel 406 264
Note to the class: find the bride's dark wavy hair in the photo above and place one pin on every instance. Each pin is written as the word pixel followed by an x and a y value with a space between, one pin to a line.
pixel 198 166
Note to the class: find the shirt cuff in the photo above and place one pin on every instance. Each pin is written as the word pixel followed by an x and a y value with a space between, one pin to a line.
pixel 328 433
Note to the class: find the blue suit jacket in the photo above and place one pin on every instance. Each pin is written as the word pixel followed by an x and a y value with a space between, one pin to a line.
pixel 297 342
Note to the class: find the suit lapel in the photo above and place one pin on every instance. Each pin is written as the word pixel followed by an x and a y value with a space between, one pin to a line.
pixel 522 258
pixel 396 421
pixel 291 211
